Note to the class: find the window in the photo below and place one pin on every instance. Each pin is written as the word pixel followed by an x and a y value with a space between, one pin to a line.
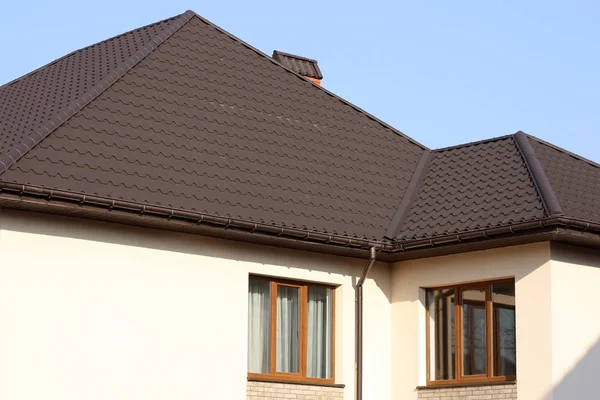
pixel 471 333
pixel 290 330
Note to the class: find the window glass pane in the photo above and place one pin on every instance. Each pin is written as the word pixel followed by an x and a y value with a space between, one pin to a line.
pixel 474 342
pixel 319 332
pixel 441 334
pixel 505 344
pixel 259 324
pixel 288 323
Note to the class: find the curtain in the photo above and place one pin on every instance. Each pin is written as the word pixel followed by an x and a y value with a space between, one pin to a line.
pixel 288 302
pixel 319 332
pixel 259 321
pixel 441 331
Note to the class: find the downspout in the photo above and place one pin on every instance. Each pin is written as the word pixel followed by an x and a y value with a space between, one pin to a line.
pixel 359 322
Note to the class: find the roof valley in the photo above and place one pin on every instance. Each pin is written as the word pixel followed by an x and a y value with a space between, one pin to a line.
pixel 409 196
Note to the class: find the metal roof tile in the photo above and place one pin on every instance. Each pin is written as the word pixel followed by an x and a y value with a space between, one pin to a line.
pixel 205 123
pixel 199 121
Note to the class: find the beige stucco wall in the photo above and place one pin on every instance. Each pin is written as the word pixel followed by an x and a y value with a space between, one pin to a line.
pixel 528 264
pixel 575 323
pixel 104 311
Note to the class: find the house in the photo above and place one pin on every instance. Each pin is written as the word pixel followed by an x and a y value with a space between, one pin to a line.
pixel 185 217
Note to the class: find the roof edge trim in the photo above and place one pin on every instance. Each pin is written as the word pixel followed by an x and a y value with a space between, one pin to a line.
pixel 538 175
pixel 344 101
pixel 411 192
pixel 38 135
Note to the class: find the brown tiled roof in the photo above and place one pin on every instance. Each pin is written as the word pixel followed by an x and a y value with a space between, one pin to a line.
pixel 300 65
pixel 32 100
pixel 204 123
pixel 185 120
pixel 575 180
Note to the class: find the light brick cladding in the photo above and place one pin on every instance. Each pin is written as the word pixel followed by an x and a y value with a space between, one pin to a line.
pixel 490 392
pixel 268 391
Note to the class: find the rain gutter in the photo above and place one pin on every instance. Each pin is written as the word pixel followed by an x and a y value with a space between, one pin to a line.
pixel 302 235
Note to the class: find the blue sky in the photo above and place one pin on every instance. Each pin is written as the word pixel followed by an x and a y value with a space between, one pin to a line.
pixel 443 72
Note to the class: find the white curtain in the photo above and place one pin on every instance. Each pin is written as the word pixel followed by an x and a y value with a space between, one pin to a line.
pixel 319 332
pixel 259 321
pixel 287 328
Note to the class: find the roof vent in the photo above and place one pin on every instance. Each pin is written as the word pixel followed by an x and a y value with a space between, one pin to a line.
pixel 306 67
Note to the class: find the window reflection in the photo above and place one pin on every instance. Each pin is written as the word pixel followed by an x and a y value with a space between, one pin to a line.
pixel 505 343
pixel 474 332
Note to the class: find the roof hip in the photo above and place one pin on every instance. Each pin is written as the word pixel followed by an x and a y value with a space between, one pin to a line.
pixel 538 175
pixel 19 150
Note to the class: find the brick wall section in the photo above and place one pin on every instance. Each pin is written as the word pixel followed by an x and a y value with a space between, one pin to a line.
pixel 268 391
pixel 491 392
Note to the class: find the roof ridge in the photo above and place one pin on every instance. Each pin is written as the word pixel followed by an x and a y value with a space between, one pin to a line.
pixel 538 175
pixel 85 47
pixel 38 135
pixel 346 102
pixel 414 186
pixel 474 143
pixel 562 150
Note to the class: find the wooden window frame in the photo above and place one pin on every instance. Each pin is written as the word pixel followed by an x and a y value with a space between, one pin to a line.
pixel 302 340
pixel 491 344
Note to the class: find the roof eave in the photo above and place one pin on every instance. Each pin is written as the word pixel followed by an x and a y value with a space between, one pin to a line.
pixel 546 229
pixel 29 198
pixel 63 202
pixel 152 221
pixel 556 234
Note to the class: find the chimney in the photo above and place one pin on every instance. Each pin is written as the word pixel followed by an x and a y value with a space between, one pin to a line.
pixel 306 67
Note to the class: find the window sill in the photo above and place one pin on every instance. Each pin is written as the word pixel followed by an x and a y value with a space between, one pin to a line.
pixel 466 384
pixel 292 382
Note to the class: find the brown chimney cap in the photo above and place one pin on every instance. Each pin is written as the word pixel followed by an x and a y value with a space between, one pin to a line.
pixel 300 65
